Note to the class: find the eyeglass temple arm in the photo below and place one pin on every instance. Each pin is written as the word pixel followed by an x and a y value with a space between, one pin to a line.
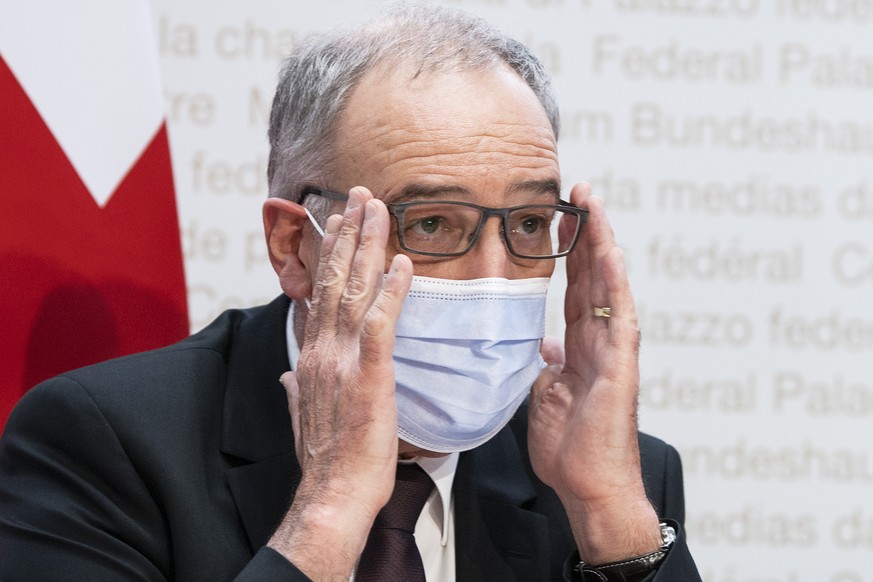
pixel 329 194
pixel 583 212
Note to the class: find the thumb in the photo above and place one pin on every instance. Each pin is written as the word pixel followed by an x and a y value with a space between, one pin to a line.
pixel 548 377
pixel 552 351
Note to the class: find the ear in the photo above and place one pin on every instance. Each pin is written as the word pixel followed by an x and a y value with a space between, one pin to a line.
pixel 284 224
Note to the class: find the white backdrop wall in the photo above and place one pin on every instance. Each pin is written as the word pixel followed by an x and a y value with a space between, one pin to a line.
pixel 733 143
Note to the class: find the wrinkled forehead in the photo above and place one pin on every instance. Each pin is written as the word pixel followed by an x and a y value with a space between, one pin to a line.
pixel 396 96
pixel 445 125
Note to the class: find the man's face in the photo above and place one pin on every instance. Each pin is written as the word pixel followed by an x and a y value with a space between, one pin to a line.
pixel 479 136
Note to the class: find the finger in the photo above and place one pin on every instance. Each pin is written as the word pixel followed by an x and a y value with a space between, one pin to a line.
pixel 292 391
pixel 567 226
pixel 579 197
pixel 328 240
pixel 331 232
pixel 335 261
pixel 380 325
pixel 547 388
pixel 601 241
pixel 368 267
pixel 622 324
pixel 580 262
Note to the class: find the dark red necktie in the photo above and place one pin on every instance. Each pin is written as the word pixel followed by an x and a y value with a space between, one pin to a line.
pixel 391 554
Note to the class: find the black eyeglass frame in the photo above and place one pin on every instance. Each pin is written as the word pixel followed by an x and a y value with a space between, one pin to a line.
pixel 397 210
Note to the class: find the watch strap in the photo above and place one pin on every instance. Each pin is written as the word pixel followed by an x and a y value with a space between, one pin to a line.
pixel 632 569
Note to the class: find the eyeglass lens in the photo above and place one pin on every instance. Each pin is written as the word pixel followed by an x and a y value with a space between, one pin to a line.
pixel 531 231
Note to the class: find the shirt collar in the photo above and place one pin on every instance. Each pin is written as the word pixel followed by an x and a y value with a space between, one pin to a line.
pixel 291 338
pixel 441 469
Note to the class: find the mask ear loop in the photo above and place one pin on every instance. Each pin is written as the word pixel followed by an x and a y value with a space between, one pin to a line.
pixel 320 231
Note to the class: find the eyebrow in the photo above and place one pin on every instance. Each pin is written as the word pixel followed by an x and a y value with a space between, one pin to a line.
pixel 419 191
pixel 547 187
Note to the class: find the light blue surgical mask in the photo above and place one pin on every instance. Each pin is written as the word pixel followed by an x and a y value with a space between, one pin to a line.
pixel 465 356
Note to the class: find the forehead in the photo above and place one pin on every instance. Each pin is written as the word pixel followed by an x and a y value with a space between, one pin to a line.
pixel 471 131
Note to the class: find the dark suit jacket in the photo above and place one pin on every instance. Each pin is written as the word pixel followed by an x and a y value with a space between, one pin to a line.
pixel 178 464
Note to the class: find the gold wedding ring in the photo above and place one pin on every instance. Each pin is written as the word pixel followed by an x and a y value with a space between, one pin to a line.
pixel 604 312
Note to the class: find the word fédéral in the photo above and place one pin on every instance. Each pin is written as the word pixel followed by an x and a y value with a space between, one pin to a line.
pixel 834 331
pixel 677 260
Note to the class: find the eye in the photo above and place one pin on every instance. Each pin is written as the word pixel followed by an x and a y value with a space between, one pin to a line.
pixel 531 224
pixel 437 227
pixel 426 225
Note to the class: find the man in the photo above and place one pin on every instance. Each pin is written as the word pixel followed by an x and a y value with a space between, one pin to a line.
pixel 414 219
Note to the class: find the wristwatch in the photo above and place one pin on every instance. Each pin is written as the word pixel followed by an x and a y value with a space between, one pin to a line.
pixel 632 569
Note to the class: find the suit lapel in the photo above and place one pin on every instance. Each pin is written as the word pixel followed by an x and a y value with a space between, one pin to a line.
pixel 496 537
pixel 263 492
pixel 256 427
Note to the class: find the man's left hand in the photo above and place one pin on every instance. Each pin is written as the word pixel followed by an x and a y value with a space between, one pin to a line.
pixel 583 413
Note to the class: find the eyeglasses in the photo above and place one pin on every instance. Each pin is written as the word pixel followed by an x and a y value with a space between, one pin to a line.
pixel 450 228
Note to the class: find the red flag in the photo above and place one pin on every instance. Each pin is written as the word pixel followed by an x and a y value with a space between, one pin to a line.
pixel 90 253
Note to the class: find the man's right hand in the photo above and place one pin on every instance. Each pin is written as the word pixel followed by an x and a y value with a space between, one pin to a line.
pixel 341 397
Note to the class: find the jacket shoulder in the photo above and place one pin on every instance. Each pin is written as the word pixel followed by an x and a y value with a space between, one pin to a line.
pixel 181 378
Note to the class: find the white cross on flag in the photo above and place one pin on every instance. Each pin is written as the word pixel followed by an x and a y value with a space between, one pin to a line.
pixel 90 254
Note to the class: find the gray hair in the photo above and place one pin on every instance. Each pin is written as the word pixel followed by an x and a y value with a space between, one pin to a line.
pixel 321 72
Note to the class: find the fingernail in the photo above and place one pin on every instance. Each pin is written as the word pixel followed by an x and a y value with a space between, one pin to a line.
pixel 332 226
pixel 371 209
pixel 354 201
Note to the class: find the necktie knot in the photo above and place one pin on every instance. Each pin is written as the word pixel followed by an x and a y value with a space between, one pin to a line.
pixel 412 487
